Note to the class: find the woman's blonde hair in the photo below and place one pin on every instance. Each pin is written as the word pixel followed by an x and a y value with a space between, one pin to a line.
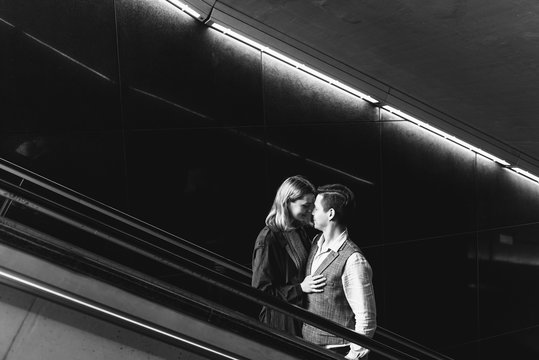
pixel 292 189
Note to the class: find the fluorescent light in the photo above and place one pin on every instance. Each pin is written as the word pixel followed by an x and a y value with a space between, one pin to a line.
pixel 292 62
pixel 185 8
pixel 338 84
pixel 317 74
pixel 192 12
pixel 492 157
pixel 237 36
pixel 282 57
pixel 401 114
pixel 446 136
pixel 355 92
pixel 107 312
pixel 220 28
pixel 525 173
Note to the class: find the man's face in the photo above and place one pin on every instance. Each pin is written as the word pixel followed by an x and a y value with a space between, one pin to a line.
pixel 320 217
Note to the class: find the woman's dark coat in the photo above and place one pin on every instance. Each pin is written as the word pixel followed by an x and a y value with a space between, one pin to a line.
pixel 275 273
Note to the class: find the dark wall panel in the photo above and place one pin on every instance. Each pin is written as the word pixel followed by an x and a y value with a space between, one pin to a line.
pixel 508 272
pixel 89 163
pixel 166 56
pixel 350 148
pixel 504 198
pixel 377 257
pixel 49 82
pixel 83 30
pixel 294 97
pixel 164 52
pixel 59 94
pixel 431 290
pixel 520 345
pixel 54 93
pixel 468 351
pixel 205 185
pixel 237 83
pixel 427 184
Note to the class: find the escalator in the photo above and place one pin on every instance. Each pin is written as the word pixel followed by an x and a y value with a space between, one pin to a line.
pixel 113 286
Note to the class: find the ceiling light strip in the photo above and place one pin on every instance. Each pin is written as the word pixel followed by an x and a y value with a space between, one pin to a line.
pixel 525 174
pixel 446 136
pixel 237 36
pixel 355 92
pixel 292 62
pixel 72 299
pixel 344 87
pixel 185 8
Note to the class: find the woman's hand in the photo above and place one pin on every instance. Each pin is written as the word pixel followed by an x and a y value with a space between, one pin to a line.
pixel 313 283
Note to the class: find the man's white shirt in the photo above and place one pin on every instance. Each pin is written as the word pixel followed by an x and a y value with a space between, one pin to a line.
pixel 358 289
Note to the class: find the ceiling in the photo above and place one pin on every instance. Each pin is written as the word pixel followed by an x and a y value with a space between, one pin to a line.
pixel 472 63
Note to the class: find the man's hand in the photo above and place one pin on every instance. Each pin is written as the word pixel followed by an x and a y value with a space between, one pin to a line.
pixel 313 283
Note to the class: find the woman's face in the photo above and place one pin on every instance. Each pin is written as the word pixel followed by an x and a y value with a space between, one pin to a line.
pixel 302 208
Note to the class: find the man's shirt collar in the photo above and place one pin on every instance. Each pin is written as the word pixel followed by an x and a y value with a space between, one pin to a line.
pixel 335 245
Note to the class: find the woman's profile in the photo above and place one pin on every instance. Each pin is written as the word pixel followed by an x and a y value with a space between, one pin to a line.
pixel 281 250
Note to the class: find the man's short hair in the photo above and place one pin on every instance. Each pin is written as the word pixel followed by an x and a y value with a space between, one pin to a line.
pixel 339 198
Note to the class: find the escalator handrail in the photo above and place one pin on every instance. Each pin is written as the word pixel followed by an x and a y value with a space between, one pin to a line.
pixel 253 294
pixel 387 334
pixel 75 219
pixel 169 238
pixel 120 216
pixel 138 283
pixel 214 278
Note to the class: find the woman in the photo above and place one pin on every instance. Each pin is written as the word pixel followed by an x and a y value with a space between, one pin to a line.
pixel 281 250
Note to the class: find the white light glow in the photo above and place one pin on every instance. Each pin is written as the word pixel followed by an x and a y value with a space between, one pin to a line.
pixel 317 74
pixel 284 58
pixel 446 136
pixel 525 173
pixel 292 62
pixel 238 37
pixel 492 157
pixel 401 114
pixel 107 312
pixel 352 91
pixel 355 92
pixel 185 8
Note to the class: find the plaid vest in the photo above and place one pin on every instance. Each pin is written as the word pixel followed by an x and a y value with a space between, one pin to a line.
pixel 331 303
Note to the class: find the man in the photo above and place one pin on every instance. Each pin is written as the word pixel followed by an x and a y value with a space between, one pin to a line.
pixel 348 297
